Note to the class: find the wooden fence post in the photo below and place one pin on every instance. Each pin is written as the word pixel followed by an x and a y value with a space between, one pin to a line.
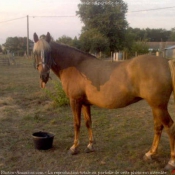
pixel 111 57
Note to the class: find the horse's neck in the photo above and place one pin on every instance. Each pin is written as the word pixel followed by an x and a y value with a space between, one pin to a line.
pixel 65 57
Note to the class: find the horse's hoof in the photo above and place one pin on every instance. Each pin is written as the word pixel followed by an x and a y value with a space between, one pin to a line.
pixel 73 151
pixel 147 158
pixel 88 150
pixel 169 167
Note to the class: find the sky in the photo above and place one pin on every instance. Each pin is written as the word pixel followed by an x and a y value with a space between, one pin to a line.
pixel 13 17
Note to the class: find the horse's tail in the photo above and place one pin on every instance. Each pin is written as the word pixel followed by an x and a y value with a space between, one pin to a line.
pixel 172 70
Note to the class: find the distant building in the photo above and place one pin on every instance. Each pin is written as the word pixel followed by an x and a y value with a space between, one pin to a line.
pixel 159 46
pixel 169 52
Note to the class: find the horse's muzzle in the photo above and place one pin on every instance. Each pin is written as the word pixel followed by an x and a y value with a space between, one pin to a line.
pixel 44 77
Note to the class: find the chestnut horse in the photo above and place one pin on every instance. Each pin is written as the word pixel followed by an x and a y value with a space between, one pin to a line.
pixel 87 80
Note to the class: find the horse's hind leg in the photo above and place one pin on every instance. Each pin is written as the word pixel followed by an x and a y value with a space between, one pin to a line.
pixel 158 127
pixel 87 116
pixel 162 117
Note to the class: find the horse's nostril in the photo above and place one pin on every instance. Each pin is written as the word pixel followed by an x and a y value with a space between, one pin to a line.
pixel 44 77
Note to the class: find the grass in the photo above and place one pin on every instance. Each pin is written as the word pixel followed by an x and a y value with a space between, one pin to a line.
pixel 122 135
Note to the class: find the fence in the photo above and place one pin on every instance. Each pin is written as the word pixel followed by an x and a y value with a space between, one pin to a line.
pixel 4 61
pixel 118 56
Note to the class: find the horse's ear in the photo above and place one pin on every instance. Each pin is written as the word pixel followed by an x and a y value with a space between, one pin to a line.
pixel 48 37
pixel 35 37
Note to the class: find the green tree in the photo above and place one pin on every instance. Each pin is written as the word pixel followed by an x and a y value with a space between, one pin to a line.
pixel 140 47
pixel 65 40
pixel 93 41
pixel 16 45
pixel 0 48
pixel 12 44
pixel 106 17
pixel 130 38
pixel 69 41
pixel 76 43
pixel 152 35
pixel 172 35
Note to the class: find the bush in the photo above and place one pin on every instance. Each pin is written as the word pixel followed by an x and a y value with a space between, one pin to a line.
pixel 58 95
pixel 141 47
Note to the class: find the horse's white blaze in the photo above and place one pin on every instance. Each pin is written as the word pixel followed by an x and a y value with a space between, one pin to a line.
pixel 43 58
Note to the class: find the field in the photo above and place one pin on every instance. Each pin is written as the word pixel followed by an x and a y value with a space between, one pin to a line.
pixel 122 135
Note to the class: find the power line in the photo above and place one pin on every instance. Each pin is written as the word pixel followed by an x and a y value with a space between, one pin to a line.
pixel 52 16
pixel 12 19
pixel 37 17
pixel 154 9
pixel 75 16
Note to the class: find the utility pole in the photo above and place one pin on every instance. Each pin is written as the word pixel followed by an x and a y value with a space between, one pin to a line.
pixel 27 36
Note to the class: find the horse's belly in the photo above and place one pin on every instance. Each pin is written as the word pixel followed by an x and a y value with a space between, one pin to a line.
pixel 112 101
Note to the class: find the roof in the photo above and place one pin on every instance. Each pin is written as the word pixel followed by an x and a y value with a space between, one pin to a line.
pixel 169 48
pixel 160 45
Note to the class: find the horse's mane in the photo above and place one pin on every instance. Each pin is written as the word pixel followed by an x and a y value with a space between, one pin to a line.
pixel 72 49
pixel 41 45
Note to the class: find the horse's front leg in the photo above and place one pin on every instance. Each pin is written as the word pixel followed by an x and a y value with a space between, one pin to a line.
pixel 88 121
pixel 76 109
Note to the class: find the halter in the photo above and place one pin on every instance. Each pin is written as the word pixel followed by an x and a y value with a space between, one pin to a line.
pixel 46 61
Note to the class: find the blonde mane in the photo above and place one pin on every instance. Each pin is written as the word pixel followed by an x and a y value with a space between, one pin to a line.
pixel 41 45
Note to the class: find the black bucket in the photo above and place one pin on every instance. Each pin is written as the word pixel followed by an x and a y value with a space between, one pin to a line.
pixel 43 140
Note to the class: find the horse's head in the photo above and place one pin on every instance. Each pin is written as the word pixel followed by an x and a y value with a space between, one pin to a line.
pixel 42 57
